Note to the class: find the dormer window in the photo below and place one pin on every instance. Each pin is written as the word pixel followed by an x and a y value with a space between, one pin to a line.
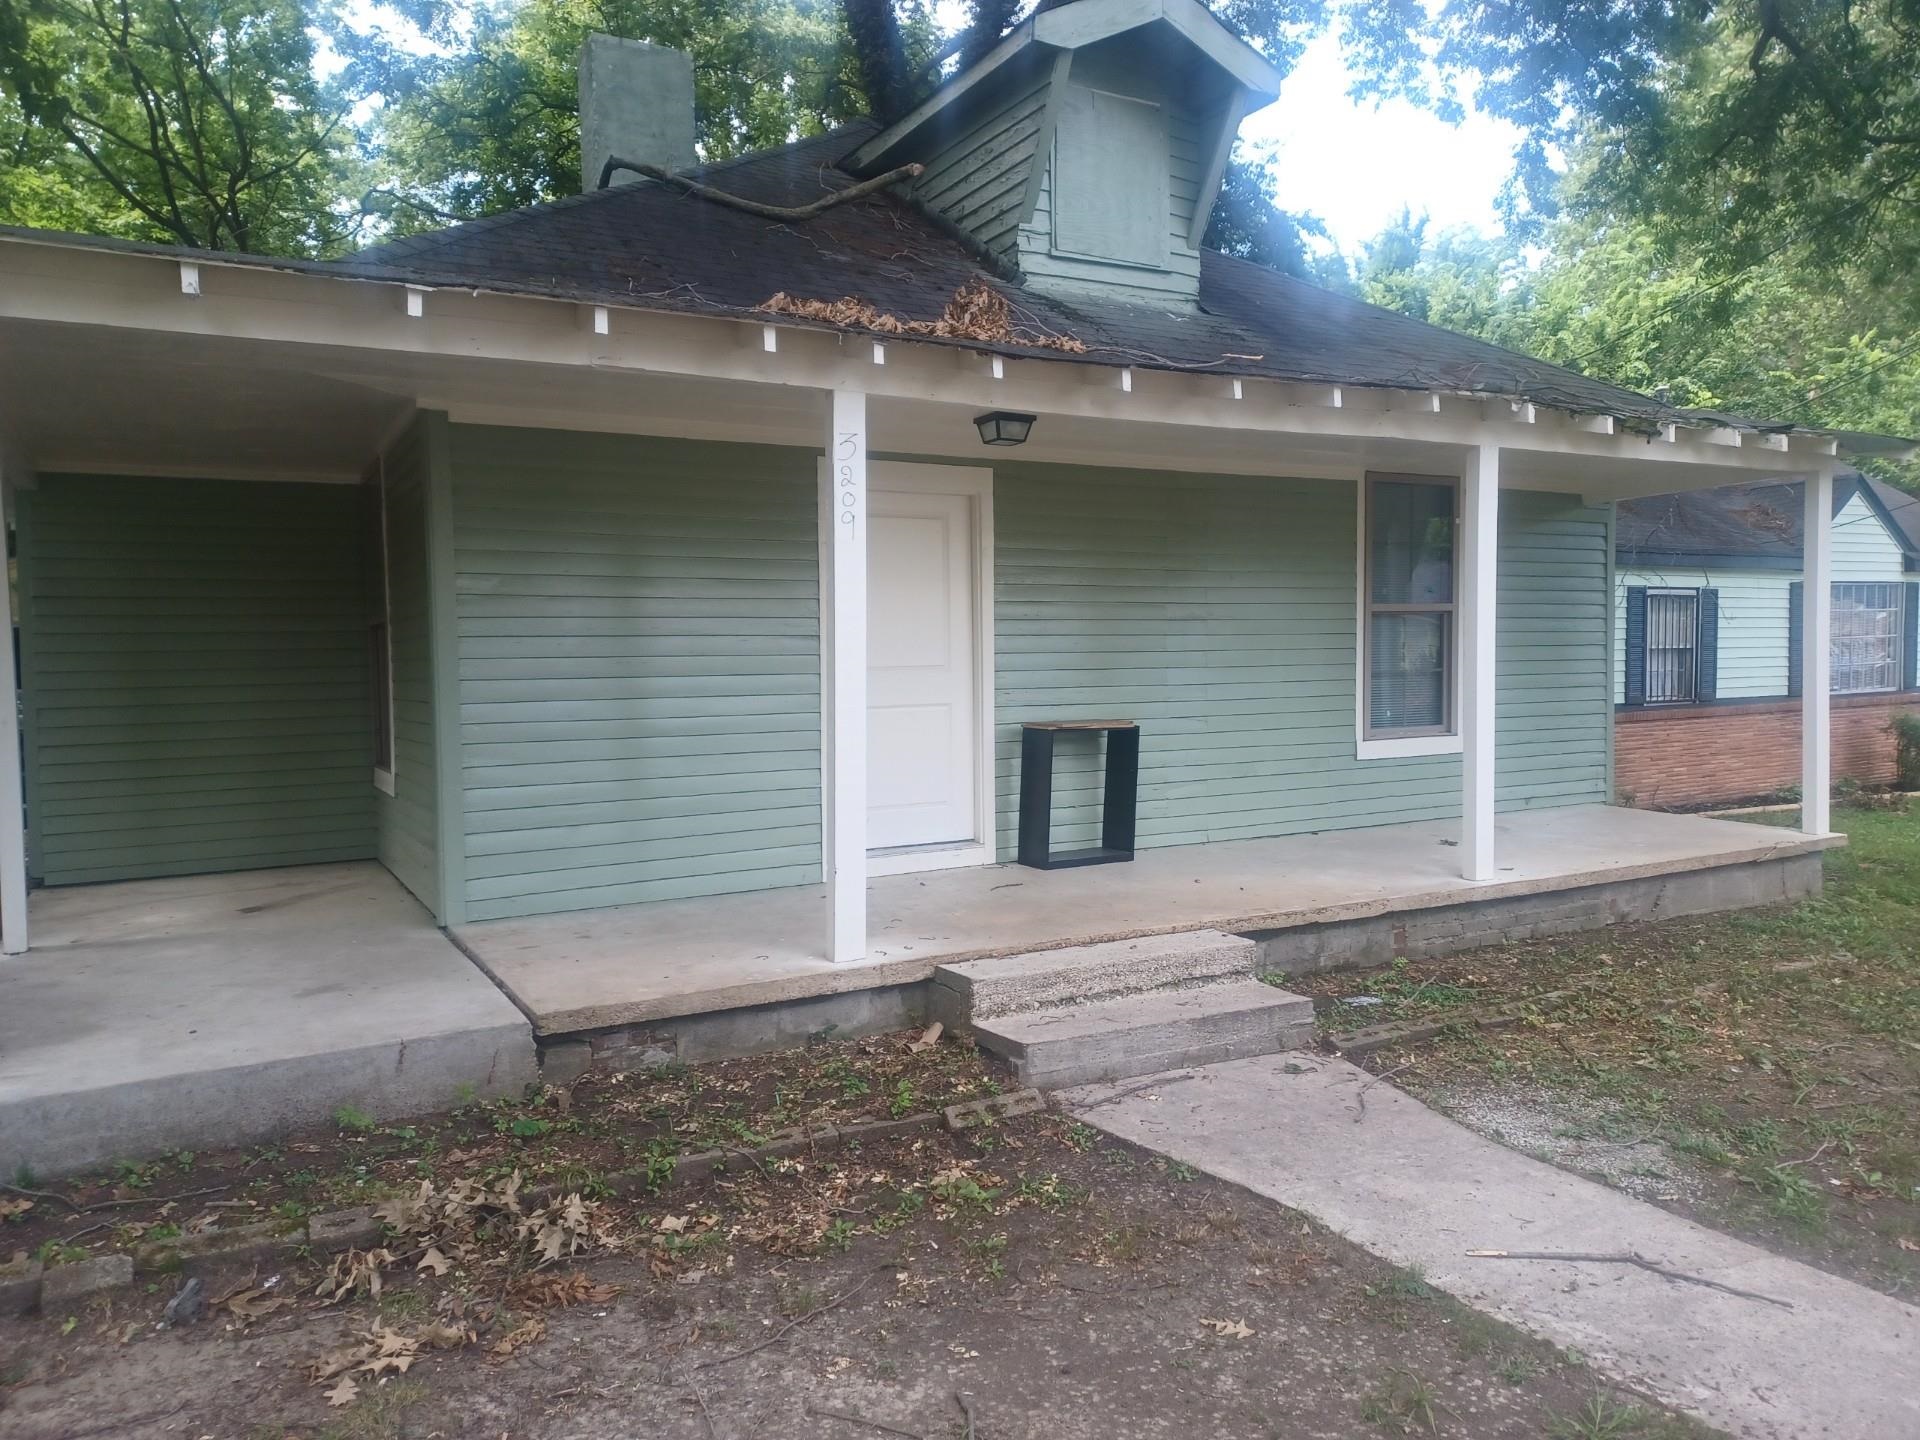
pixel 1110 178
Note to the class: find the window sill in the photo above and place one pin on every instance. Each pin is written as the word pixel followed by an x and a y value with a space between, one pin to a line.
pixel 1409 745
pixel 383 781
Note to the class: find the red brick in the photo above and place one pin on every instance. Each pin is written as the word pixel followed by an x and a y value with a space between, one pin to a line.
pixel 1668 756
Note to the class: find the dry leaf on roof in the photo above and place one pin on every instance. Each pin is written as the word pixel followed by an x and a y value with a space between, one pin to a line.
pixel 977 311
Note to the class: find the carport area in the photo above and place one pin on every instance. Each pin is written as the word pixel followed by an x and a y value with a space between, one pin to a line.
pixel 156 1015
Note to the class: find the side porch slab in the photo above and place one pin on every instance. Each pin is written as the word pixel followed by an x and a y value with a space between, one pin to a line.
pixel 155 1015
pixel 694 979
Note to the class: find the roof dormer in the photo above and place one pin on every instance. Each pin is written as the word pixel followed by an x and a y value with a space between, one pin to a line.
pixel 1087 147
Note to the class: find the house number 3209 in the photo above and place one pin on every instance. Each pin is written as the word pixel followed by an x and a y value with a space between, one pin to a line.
pixel 846 456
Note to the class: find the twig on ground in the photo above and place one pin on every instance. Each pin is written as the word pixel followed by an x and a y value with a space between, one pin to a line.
pixel 1360 1095
pixel 851 1419
pixel 786 1329
pixel 1825 1145
pixel 1124 1091
pixel 700 1398
pixel 1627 1258
pixel 77 1208
pixel 78 1234
pixel 966 1410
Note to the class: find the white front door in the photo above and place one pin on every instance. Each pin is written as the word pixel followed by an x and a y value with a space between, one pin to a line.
pixel 922 704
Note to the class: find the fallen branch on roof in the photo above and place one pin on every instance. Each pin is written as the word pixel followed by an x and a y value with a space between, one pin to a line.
pixel 977 311
pixel 756 207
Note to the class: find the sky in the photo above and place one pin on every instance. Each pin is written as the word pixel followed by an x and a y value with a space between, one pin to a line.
pixel 1354 164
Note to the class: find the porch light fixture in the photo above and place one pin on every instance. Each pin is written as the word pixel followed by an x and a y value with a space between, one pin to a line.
pixel 1003 427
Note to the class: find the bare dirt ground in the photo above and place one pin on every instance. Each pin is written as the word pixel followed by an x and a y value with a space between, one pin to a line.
pixel 1030 1279
pixel 1758 1072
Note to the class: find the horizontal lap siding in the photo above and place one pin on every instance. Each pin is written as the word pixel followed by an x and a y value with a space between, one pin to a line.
pixel 409 818
pixel 639 668
pixel 195 660
pixel 979 180
pixel 1219 613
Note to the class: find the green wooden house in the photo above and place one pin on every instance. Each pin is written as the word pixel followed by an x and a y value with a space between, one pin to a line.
pixel 649 574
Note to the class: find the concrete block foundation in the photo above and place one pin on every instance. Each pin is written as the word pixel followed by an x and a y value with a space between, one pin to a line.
pixel 1446 930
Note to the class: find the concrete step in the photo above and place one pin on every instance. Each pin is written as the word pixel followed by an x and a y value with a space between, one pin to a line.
pixel 975 990
pixel 1146 1033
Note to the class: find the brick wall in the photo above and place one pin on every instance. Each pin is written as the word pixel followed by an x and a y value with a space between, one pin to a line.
pixel 1670 756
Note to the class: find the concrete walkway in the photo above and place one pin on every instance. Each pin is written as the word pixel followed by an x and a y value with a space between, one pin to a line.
pixel 1408 1184
pixel 153 1015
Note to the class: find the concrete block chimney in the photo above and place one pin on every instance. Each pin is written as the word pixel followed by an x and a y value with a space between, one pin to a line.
pixel 636 101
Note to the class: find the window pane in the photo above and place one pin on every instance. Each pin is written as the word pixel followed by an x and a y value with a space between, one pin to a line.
pixel 1866 637
pixel 1410 543
pixel 1672 621
pixel 1407 672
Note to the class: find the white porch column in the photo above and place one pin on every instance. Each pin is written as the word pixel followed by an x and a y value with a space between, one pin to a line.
pixel 1816 656
pixel 13 840
pixel 1479 577
pixel 843 635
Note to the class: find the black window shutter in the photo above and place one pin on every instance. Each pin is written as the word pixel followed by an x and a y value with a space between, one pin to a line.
pixel 1636 687
pixel 1706 659
pixel 1909 634
pixel 1796 627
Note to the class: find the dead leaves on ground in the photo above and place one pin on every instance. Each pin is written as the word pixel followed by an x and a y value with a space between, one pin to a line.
pixel 1228 1329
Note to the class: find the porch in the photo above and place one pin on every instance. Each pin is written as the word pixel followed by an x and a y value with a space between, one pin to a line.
pixel 215 1010
pixel 1585 865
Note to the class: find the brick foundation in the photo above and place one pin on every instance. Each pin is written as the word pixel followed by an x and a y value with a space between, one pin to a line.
pixel 1667 757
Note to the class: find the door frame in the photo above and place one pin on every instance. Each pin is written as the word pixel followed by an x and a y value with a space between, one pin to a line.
pixel 976 483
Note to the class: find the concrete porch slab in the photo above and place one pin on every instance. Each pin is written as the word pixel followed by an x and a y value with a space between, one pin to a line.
pixel 221 1009
pixel 593 969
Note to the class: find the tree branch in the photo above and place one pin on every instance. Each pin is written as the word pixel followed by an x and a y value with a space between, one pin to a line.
pixel 756 207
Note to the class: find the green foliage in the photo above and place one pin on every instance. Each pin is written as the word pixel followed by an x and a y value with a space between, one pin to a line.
pixel 1906 748
pixel 496 123
pixel 198 122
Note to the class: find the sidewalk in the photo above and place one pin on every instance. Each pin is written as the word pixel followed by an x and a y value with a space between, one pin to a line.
pixel 1843 1363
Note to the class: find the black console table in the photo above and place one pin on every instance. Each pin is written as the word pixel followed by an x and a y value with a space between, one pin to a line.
pixel 1036 793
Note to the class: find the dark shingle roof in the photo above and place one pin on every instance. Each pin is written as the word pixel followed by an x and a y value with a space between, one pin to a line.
pixel 1747 524
pixel 657 247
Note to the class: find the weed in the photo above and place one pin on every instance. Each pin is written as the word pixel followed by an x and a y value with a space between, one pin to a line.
pixel 1402 1403
pixel 1180 1170
pixel 795 1298
pixel 839 1235
pixel 353 1120
pixel 902 1100
pixel 1601 1418
pixel 381 1413
pixel 1789 1194
pixel 1516 1370
pixel 55 1252
pixel 1408 1283
pixel 1081 1137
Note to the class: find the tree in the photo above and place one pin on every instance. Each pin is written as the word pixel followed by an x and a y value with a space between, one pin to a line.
pixel 495 123
pixel 1247 221
pixel 1793 340
pixel 199 122
pixel 1739 130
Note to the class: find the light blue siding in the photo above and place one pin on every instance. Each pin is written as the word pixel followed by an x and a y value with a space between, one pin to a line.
pixel 1754 604
pixel 194 663
pixel 1219 612
pixel 979 180
pixel 639 668
pixel 409 818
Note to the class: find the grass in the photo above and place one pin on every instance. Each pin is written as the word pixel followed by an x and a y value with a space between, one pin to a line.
pixel 1776 1052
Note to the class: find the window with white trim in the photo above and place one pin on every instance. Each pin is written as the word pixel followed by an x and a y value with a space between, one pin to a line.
pixel 1866 636
pixel 1673 646
pixel 1409 637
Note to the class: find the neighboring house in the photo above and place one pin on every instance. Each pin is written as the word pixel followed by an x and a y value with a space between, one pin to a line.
pixel 661 590
pixel 1709 606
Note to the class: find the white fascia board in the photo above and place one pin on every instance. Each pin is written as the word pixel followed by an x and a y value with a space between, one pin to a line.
pixel 72 284
pixel 1088 22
